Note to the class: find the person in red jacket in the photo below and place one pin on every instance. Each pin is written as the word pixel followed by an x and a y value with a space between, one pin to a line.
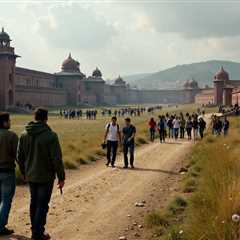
pixel 152 128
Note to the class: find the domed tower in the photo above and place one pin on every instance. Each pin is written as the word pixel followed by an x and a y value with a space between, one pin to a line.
pixel 97 73
pixel 7 72
pixel 70 65
pixel 220 80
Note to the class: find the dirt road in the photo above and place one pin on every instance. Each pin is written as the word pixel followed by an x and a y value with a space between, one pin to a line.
pixel 99 202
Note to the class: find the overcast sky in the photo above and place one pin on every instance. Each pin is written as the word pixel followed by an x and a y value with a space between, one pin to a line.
pixel 121 37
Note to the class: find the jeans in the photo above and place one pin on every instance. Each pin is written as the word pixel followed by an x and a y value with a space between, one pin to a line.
pixel 170 132
pixel 7 191
pixel 112 147
pixel 152 134
pixel 162 135
pixel 189 133
pixel 128 147
pixel 176 132
pixel 40 198
pixel 182 132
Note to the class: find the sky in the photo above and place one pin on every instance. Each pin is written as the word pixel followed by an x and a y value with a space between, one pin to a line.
pixel 121 37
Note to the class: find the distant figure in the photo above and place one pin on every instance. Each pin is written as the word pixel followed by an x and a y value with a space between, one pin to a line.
pixel 129 132
pixel 226 126
pixel 8 151
pixel 202 127
pixel 40 159
pixel 182 126
pixel 152 128
pixel 195 126
pixel 162 128
pixel 218 126
pixel 111 138
pixel 189 125
pixel 176 126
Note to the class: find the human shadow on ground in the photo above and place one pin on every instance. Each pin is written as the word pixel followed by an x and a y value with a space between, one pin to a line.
pixel 15 237
pixel 150 170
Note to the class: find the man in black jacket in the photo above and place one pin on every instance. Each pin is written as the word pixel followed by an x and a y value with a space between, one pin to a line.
pixel 40 159
pixel 8 149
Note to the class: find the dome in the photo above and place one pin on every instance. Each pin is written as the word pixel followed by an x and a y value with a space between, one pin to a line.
pixel 119 81
pixel 97 73
pixel 4 36
pixel 70 65
pixel 222 75
pixel 191 84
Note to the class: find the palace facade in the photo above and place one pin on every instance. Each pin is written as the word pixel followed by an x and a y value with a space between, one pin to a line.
pixel 22 87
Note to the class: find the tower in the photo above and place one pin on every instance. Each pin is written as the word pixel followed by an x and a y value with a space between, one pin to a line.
pixel 220 80
pixel 7 72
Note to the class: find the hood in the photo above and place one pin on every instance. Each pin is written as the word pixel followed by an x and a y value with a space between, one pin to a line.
pixel 36 128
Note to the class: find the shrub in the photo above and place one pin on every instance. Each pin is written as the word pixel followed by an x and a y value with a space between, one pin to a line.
pixel 156 219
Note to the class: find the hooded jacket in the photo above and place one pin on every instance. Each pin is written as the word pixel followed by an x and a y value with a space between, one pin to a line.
pixel 39 154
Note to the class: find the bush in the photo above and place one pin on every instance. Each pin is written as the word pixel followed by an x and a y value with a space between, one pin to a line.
pixel 156 219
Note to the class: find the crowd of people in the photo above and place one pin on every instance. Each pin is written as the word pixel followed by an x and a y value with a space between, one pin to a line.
pixel 219 126
pixel 175 126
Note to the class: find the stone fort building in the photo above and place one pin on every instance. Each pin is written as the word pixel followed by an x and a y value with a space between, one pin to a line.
pixel 21 87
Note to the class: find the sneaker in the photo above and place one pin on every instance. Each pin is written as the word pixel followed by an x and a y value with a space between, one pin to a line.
pixel 6 232
pixel 45 236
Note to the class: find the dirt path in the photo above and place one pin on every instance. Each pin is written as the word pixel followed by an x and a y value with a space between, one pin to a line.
pixel 99 202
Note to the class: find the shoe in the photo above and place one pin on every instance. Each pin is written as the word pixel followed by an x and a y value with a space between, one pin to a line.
pixel 132 166
pixel 45 236
pixel 6 232
pixel 113 166
pixel 125 167
pixel 107 164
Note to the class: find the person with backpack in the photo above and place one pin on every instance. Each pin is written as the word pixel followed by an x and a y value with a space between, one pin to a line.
pixel 39 157
pixel 111 138
pixel 226 126
pixel 161 128
pixel 152 128
pixel 202 126
pixel 129 132
pixel 8 152
pixel 189 125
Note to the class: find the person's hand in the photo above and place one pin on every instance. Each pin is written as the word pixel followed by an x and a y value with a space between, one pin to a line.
pixel 61 184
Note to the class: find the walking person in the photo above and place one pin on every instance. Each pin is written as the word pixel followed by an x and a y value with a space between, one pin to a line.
pixel 152 128
pixel 182 127
pixel 202 126
pixel 40 159
pixel 219 126
pixel 195 127
pixel 8 151
pixel 189 125
pixel 226 126
pixel 170 126
pixel 112 138
pixel 161 128
pixel 176 126
pixel 129 132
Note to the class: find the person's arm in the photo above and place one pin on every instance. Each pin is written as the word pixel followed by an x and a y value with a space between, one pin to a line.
pixel 105 135
pixel 14 145
pixel 21 156
pixel 56 157
pixel 133 134
pixel 119 136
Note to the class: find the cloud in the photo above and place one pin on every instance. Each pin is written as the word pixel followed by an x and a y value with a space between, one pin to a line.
pixel 71 26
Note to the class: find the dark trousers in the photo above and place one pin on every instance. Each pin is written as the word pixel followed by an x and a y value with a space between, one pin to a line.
pixel 189 133
pixel 176 131
pixel 182 132
pixel 128 148
pixel 201 131
pixel 7 190
pixel 162 135
pixel 152 134
pixel 112 147
pixel 40 198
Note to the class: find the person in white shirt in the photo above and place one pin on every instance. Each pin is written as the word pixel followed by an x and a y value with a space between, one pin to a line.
pixel 112 138
pixel 176 126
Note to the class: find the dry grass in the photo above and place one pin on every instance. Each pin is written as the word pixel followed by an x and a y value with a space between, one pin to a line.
pixel 81 139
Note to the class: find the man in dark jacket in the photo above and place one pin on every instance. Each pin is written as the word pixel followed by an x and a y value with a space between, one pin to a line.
pixel 8 150
pixel 40 159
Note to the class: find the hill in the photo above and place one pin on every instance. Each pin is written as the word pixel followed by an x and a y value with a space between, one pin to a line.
pixel 174 77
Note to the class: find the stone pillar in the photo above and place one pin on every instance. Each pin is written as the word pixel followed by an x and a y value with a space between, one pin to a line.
pixel 227 96
pixel 218 92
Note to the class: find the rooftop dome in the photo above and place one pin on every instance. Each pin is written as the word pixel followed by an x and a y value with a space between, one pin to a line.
pixel 222 75
pixel 97 73
pixel 70 65
pixel 4 36
pixel 119 81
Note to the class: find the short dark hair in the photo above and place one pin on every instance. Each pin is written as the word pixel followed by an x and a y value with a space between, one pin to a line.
pixel 128 120
pixel 41 114
pixel 4 117
pixel 114 118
